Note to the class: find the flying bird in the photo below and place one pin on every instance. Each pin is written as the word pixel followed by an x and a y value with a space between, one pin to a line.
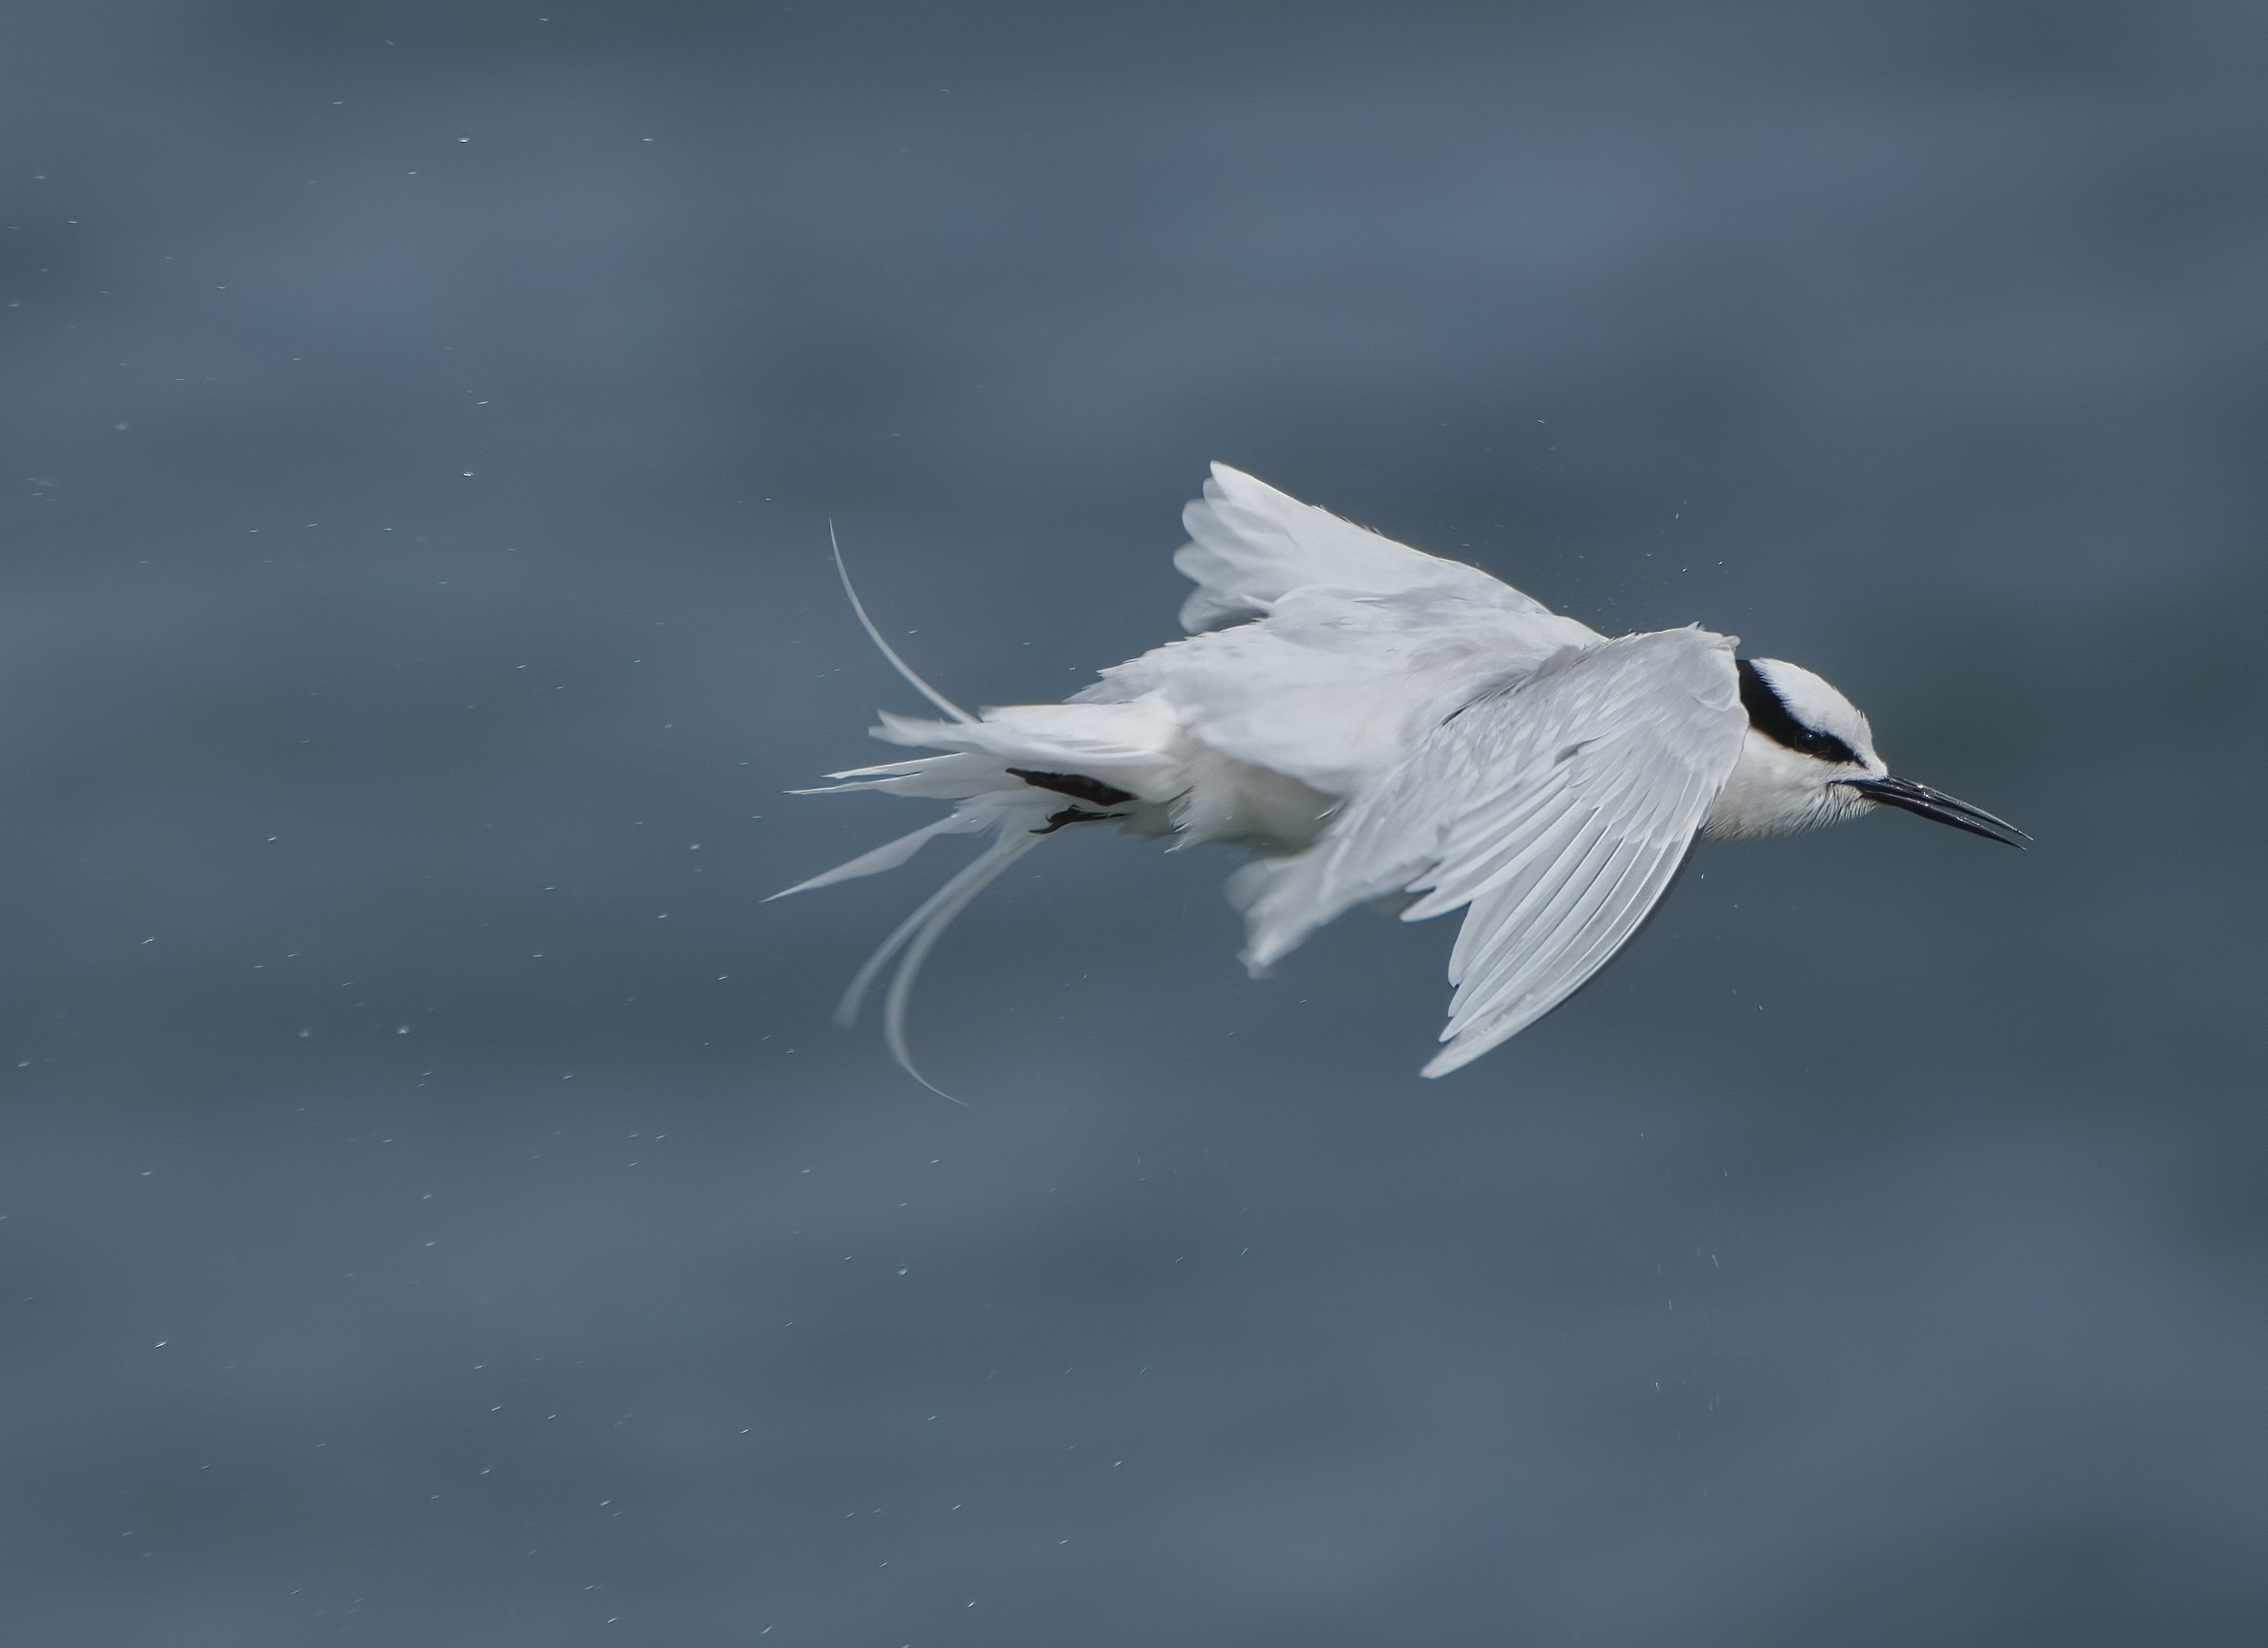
pixel 1372 722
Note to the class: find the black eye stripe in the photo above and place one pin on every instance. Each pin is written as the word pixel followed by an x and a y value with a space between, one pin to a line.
pixel 1769 717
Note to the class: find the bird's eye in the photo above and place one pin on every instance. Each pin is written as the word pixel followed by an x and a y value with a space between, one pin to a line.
pixel 1769 714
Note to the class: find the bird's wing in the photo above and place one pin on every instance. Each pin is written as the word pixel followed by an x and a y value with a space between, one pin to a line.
pixel 1250 545
pixel 1559 808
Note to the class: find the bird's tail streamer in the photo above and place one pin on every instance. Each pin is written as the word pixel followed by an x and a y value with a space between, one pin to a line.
pixel 910 945
pixel 887 651
pixel 916 936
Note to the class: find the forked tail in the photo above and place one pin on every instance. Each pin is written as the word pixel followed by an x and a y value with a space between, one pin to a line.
pixel 990 796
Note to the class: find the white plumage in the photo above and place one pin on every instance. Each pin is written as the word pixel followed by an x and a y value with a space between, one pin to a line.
pixel 1371 721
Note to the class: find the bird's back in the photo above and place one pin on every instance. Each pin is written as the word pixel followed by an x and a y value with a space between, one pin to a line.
pixel 1344 641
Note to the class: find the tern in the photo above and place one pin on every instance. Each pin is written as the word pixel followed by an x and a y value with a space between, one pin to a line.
pixel 1374 724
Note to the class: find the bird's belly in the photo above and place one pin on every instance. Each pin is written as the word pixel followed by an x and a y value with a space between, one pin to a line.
pixel 1243 805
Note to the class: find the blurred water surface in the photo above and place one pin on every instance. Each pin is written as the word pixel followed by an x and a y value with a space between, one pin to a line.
pixel 436 1211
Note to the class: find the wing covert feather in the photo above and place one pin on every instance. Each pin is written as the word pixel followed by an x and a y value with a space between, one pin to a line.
pixel 1555 810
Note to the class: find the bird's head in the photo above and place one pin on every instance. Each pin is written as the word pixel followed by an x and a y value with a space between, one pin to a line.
pixel 1808 759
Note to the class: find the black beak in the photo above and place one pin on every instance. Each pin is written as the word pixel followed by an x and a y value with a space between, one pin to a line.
pixel 1935 804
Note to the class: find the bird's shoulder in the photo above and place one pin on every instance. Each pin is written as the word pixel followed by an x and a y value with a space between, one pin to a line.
pixel 1651 679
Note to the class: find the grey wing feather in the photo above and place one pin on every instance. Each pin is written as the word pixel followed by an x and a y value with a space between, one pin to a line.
pixel 1556 812
pixel 1250 545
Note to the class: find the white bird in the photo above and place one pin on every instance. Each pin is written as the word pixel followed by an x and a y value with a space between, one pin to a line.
pixel 1373 723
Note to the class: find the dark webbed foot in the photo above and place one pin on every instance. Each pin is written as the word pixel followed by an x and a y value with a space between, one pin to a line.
pixel 1074 815
pixel 1078 786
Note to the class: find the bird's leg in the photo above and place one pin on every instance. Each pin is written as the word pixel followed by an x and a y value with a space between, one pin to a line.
pixel 1074 815
pixel 1078 786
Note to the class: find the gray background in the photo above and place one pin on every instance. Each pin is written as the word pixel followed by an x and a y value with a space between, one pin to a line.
pixel 436 1211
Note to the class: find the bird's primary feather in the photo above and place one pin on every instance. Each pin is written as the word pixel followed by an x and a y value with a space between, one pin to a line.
pixel 1250 546
pixel 1557 807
